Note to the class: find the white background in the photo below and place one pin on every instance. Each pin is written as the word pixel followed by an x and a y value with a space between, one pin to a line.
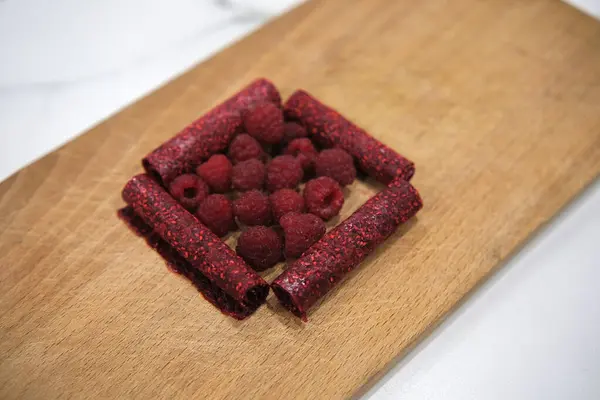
pixel 532 331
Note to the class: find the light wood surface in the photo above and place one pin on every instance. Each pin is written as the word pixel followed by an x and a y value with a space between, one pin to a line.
pixel 495 101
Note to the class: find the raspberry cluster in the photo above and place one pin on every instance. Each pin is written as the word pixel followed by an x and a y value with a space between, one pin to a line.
pixel 255 185
pixel 277 172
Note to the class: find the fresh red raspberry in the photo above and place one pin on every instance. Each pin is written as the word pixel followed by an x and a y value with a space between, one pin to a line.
pixel 323 197
pixel 304 151
pixel 293 130
pixel 336 164
pixel 216 172
pixel 216 213
pixel 301 231
pixel 248 175
pixel 265 123
pixel 283 172
pixel 253 208
pixel 260 247
pixel 244 147
pixel 189 190
pixel 284 201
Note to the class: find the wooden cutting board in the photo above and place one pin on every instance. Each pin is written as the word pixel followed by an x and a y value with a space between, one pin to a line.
pixel 497 102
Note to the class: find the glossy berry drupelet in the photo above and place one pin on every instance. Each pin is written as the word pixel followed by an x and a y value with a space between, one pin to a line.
pixel 189 190
pixel 283 172
pixel 301 231
pixel 265 123
pixel 216 212
pixel 248 175
pixel 252 208
pixel 323 197
pixel 304 151
pixel 284 201
pixel 216 172
pixel 260 247
pixel 336 164
pixel 244 147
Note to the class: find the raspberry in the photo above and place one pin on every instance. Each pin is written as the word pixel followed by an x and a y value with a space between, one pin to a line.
pixel 265 123
pixel 189 190
pixel 283 172
pixel 216 172
pixel 284 201
pixel 244 147
pixel 336 164
pixel 323 197
pixel 248 175
pixel 304 151
pixel 301 231
pixel 253 208
pixel 260 247
pixel 216 213
pixel 293 130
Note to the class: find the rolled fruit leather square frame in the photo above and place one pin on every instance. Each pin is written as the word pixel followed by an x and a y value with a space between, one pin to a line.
pixel 225 279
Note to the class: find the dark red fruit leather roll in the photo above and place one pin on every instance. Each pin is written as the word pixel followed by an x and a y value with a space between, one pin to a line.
pixel 207 135
pixel 221 275
pixel 326 263
pixel 330 129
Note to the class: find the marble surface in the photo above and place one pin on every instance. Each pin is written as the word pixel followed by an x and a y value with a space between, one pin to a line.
pixel 55 84
pixel 529 333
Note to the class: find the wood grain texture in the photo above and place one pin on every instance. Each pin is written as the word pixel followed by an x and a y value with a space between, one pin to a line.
pixel 497 103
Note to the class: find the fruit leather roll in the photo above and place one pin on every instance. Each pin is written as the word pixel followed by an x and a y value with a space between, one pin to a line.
pixel 207 135
pixel 192 249
pixel 330 129
pixel 326 263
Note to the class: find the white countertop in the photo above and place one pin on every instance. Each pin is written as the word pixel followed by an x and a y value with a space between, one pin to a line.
pixel 531 332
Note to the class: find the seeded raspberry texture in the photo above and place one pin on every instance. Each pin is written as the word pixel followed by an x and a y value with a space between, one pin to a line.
pixel 216 172
pixel 323 197
pixel 304 151
pixel 284 201
pixel 253 208
pixel 336 164
pixel 209 134
pixel 244 147
pixel 320 268
pixel 330 129
pixel 301 231
pixel 216 212
pixel 265 123
pixel 283 172
pixel 260 247
pixel 293 130
pixel 189 190
pixel 191 248
pixel 248 175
